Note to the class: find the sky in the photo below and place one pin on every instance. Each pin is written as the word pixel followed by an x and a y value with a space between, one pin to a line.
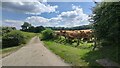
pixel 54 14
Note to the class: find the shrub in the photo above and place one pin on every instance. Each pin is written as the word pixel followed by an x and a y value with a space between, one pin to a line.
pixel 47 34
pixel 13 38
pixel 106 23
pixel 7 29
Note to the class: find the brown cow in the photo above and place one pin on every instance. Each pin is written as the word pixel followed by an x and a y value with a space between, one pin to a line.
pixel 70 35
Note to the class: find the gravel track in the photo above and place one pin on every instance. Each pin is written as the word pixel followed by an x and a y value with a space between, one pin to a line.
pixel 33 54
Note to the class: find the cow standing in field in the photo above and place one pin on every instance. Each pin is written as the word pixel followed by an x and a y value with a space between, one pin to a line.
pixel 86 35
pixel 71 36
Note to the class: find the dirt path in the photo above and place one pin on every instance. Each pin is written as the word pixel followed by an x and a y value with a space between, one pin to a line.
pixel 33 54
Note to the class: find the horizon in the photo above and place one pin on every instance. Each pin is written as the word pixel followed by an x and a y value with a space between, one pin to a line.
pixel 47 14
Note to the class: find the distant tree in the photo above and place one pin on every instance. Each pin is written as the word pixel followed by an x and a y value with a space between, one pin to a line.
pixel 83 27
pixel 31 29
pixel 25 26
pixel 38 29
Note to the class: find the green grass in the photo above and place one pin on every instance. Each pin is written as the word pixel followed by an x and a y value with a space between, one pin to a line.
pixel 82 55
pixel 28 35
pixel 6 51
pixel 70 54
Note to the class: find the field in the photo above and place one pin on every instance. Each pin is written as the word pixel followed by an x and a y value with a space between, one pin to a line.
pixel 82 54
pixel 71 31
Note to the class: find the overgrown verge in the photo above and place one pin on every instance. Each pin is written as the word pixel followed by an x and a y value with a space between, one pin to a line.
pixel 81 56
pixel 70 54
pixel 14 40
pixel 7 51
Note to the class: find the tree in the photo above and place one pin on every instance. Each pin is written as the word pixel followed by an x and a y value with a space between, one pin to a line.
pixel 31 29
pixel 38 29
pixel 25 26
pixel 106 23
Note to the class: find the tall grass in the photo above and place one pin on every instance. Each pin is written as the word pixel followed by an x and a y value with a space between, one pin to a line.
pixel 70 54
pixel 83 55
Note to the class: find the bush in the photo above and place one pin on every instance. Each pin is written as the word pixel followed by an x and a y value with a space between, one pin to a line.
pixel 7 29
pixel 106 23
pixel 13 38
pixel 47 34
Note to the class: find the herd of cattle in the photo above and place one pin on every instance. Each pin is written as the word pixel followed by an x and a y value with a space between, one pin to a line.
pixel 86 35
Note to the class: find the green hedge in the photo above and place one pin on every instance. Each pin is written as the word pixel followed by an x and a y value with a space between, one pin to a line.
pixel 15 38
pixel 47 34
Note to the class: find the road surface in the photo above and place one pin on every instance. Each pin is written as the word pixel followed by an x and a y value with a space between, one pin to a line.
pixel 33 54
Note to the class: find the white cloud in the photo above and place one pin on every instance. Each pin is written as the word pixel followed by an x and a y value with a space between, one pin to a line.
pixel 37 20
pixel 12 23
pixel 29 7
pixel 76 17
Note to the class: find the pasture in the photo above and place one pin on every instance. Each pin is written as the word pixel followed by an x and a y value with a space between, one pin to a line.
pixel 73 36
pixel 82 54
pixel 71 31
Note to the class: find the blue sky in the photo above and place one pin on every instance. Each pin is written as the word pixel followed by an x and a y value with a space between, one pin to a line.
pixel 66 14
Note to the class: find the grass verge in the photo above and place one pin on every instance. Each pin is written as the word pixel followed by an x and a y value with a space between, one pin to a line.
pixel 82 56
pixel 7 51
pixel 70 54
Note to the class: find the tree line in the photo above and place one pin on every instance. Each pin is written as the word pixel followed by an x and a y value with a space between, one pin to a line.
pixel 83 27
pixel 29 28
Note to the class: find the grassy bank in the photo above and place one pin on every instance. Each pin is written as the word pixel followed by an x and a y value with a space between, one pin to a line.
pixel 6 51
pixel 82 55
pixel 70 54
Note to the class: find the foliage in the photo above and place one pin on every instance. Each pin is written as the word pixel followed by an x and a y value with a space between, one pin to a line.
pixel 83 27
pixel 71 55
pixel 15 38
pixel 106 22
pixel 7 51
pixel 47 34
pixel 108 52
pixel 82 55
pixel 39 29
pixel 29 28
pixel 25 26
pixel 7 29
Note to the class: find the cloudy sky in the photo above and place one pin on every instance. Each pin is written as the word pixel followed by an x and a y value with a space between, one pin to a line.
pixel 65 14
